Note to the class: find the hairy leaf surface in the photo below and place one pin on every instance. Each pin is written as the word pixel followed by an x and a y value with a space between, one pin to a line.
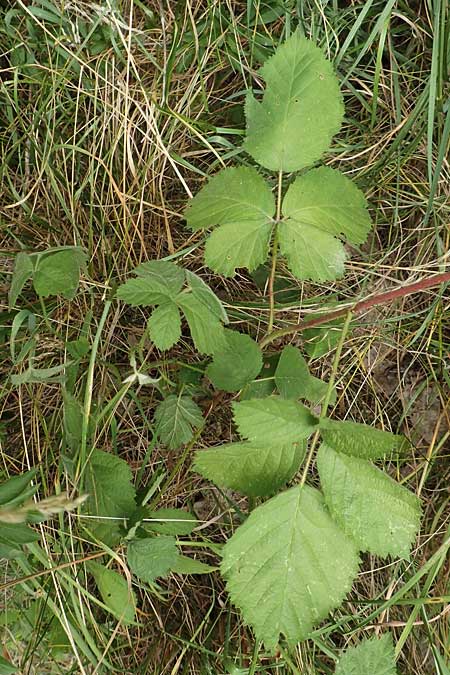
pixel 236 363
pixel 301 109
pixel 359 440
pixel 273 420
pixel 251 468
pixel 281 574
pixel 176 417
pixel 319 208
pixel 372 656
pixel 380 515
pixel 164 325
pixel 241 203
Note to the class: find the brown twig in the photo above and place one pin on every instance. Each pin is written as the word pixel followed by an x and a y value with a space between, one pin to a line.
pixel 381 299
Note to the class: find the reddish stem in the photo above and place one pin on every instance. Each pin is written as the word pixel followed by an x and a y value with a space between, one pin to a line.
pixel 380 299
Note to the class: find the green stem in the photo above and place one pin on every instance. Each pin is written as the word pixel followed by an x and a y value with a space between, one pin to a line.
pixel 327 398
pixel 274 255
pixel 88 396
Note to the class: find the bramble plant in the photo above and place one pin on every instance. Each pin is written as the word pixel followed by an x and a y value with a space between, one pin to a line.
pixel 295 557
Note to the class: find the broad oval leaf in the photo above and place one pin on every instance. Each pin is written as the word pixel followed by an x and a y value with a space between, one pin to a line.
pixel 58 273
pixel 380 515
pixel 111 494
pixel 235 364
pixel 301 109
pixel 273 420
pixel 256 470
pixel 321 207
pixel 241 203
pixel 164 325
pixel 283 575
pixel 359 440
pixel 115 592
pixel 153 557
pixel 176 417
pixel 373 656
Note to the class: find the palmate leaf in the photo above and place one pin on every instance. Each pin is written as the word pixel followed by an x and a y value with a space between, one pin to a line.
pixel 236 363
pixel 160 282
pixel 273 420
pixel 251 468
pixel 359 440
pixel 241 203
pixel 374 656
pixel 282 574
pixel 301 109
pixel 380 515
pixel 176 417
pixel 319 208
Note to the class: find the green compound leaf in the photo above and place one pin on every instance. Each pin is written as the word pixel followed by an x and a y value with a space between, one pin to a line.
pixel 380 515
pixel 281 573
pixel 58 273
pixel 157 281
pixel 236 363
pixel 319 208
pixel 176 417
pixel 152 557
pixel 273 420
pixel 359 440
pixel 202 292
pixel 294 380
pixel 23 270
pixel 115 593
pixel 241 202
pixel 206 329
pixel 301 109
pixel 164 325
pixel 249 467
pixel 375 656
pixel 111 494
